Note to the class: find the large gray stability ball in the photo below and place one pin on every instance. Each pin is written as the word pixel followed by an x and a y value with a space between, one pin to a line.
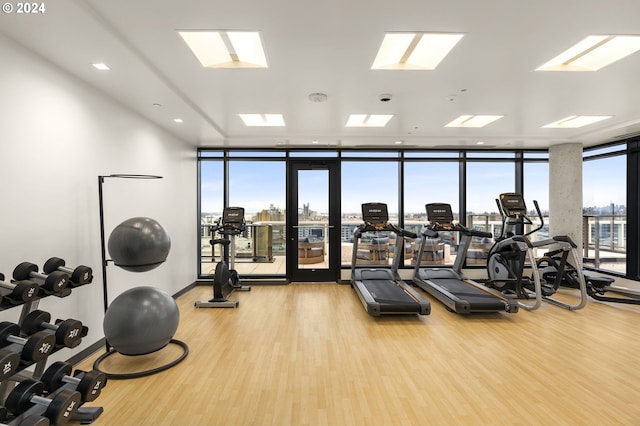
pixel 141 320
pixel 139 244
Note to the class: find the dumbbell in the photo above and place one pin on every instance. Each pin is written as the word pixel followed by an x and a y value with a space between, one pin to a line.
pixel 31 421
pixel 68 332
pixel 27 393
pixel 54 282
pixel 79 276
pixel 9 362
pixel 89 384
pixel 21 291
pixel 35 347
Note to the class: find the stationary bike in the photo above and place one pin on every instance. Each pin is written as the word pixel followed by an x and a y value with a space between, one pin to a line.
pixel 226 279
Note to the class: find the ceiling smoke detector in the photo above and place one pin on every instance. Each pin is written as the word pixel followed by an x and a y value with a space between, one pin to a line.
pixel 317 97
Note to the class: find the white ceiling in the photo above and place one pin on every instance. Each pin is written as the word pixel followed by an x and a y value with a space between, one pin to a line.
pixel 328 46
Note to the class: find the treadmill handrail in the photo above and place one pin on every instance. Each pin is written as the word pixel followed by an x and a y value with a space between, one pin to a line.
pixel 455 227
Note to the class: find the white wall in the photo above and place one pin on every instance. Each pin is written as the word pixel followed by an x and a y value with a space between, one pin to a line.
pixel 57 135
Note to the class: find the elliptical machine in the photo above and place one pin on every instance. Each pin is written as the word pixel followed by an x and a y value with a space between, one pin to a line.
pixel 506 259
pixel 226 279
pixel 597 286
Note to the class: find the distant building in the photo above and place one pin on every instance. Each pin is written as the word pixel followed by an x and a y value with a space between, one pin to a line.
pixel 273 214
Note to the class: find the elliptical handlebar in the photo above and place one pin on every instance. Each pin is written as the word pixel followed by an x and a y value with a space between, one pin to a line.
pixel 539 212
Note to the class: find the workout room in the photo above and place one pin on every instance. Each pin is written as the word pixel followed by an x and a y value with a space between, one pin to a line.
pixel 340 213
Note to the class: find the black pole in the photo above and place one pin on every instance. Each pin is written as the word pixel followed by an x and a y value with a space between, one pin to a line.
pixel 102 244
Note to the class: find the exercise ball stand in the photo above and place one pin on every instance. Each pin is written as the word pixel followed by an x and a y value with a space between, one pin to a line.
pixel 123 376
pixel 109 350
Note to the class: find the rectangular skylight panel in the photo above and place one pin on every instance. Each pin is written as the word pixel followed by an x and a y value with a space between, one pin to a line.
pixel 432 49
pixel 392 49
pixel 262 120
pixel 368 120
pixel 576 121
pixel 248 48
pixel 614 50
pixel 473 120
pixel 378 120
pixel 208 47
pixel 226 49
pixel 414 51
pixel 593 53
pixel 102 67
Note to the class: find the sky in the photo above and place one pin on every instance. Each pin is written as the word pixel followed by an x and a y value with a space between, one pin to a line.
pixel 258 184
pixel 605 182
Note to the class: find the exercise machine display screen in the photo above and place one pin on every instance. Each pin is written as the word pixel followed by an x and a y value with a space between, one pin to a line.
pixel 513 204
pixel 233 215
pixel 439 213
pixel 375 213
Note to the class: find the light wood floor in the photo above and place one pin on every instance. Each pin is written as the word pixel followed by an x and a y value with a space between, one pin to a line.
pixel 308 354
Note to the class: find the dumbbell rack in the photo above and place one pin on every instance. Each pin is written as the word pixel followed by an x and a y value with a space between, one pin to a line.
pixel 84 415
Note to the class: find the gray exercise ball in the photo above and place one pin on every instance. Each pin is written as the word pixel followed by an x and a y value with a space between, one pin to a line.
pixel 139 244
pixel 141 320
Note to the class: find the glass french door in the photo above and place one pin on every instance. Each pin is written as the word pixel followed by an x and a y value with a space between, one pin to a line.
pixel 313 221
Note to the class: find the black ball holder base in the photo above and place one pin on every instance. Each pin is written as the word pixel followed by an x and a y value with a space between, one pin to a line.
pixel 126 376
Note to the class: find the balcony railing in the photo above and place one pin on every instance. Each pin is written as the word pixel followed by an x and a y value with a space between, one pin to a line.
pixel 604 238
pixel 604 241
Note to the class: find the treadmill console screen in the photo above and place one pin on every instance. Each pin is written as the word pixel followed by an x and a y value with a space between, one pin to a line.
pixel 375 213
pixel 513 204
pixel 233 215
pixel 439 212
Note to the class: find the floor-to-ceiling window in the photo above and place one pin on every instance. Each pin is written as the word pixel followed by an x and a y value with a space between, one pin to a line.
pixel 487 176
pixel 259 186
pixel 211 205
pixel 536 190
pixel 406 181
pixel 604 194
pixel 429 178
pixel 368 177
pixel 257 183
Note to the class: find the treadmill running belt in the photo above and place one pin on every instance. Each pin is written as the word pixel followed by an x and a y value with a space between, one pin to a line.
pixel 383 289
pixel 477 298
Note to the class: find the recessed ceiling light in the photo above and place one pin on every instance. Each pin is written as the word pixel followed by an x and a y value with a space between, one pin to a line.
pixel 414 51
pixel 479 143
pixel 226 49
pixel 100 66
pixel 368 120
pixel 575 121
pixel 398 142
pixel 593 53
pixel 262 120
pixel 314 141
pixel 473 120
pixel 178 120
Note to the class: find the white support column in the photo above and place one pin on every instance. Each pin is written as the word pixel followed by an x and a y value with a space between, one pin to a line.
pixel 565 191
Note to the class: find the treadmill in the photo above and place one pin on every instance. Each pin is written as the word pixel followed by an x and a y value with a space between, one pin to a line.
pixel 381 290
pixel 449 285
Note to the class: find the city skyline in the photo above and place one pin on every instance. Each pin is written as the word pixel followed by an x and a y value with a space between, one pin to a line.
pixel 257 185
